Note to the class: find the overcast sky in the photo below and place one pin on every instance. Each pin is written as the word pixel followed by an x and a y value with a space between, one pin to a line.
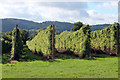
pixel 87 12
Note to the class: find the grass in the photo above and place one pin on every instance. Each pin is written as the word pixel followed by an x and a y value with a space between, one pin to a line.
pixel 101 66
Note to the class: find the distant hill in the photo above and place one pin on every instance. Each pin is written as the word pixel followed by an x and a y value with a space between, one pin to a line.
pixel 99 26
pixel 9 23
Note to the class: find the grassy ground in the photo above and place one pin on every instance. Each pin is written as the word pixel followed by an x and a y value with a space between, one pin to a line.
pixel 66 67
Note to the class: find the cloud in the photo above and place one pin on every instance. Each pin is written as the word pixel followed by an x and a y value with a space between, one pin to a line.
pixel 44 11
pixel 100 18
pixel 108 5
pixel 18 10
pixel 65 5
pixel 95 15
pixel 55 11
pixel 60 14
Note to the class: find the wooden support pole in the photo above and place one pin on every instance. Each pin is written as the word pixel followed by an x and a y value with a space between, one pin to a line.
pixel 53 42
pixel 118 47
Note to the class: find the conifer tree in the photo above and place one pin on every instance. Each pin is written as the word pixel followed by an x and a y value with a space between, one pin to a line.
pixel 17 44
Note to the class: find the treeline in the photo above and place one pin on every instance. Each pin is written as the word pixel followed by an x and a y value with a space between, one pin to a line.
pixel 106 39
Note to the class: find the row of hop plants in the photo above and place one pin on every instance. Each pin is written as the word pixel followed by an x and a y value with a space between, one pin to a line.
pixel 42 42
pixel 77 42
pixel 106 39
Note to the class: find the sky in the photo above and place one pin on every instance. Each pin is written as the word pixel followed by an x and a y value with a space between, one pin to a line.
pixel 90 12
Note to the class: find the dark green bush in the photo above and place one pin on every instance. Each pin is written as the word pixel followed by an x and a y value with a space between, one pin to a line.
pixel 27 55
pixel 5 57
pixel 6 46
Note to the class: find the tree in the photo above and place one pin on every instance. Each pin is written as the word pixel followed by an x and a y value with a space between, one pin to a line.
pixel 25 35
pixel 77 26
pixel 17 44
pixel 7 36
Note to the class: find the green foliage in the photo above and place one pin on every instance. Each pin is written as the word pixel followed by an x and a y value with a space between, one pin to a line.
pixel 77 26
pixel 25 35
pixel 8 33
pixel 27 55
pixel 6 40
pixel 42 42
pixel 78 41
pixel 7 37
pixel 5 57
pixel 17 44
pixel 6 46
pixel 105 39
